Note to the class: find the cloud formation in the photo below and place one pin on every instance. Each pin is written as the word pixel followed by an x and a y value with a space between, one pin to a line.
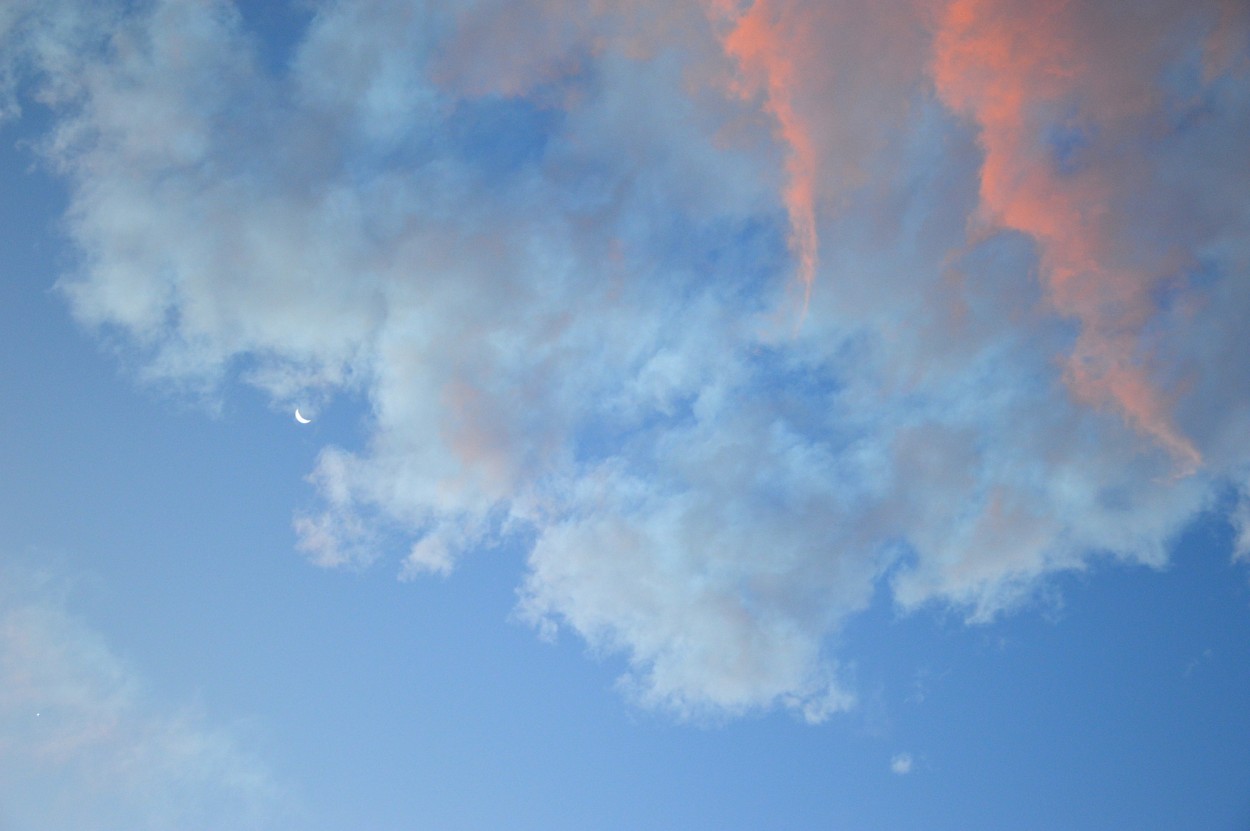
pixel 84 746
pixel 554 246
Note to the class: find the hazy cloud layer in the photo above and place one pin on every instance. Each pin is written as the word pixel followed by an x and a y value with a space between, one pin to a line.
pixel 734 312
pixel 84 746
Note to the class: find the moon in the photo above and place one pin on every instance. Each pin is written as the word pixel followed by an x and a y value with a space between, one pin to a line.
pixel 300 418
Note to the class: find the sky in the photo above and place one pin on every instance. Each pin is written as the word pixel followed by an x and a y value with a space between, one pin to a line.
pixel 723 414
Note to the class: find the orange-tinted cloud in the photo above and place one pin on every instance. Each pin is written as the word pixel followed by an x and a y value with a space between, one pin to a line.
pixel 1225 45
pixel 760 41
pixel 1017 70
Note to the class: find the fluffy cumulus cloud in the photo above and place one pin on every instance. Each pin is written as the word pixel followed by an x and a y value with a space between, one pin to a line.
pixel 732 313
pixel 83 745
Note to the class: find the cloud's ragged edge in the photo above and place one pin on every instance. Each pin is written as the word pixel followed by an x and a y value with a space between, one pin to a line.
pixel 1240 519
pixel 45 45
pixel 85 743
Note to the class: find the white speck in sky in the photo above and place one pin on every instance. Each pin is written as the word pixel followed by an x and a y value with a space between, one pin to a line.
pixel 901 764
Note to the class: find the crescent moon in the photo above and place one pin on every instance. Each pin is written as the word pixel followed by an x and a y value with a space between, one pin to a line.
pixel 300 418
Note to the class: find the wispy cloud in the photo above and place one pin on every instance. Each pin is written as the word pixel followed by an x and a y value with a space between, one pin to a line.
pixel 901 764
pixel 554 250
pixel 1050 86
pixel 83 743
pixel 765 39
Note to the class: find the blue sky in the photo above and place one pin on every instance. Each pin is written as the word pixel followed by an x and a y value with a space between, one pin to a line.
pixel 627 502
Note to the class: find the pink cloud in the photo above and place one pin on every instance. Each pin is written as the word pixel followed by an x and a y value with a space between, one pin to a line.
pixel 764 40
pixel 1016 69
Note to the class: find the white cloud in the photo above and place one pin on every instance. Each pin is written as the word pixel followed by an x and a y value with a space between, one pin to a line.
pixel 84 745
pixel 555 261
pixel 1241 528
pixel 901 764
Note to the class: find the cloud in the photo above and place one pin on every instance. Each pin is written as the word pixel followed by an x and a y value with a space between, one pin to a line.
pixel 764 39
pixel 1075 74
pixel 85 745
pixel 44 40
pixel 553 246
pixel 901 764
pixel 1241 529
